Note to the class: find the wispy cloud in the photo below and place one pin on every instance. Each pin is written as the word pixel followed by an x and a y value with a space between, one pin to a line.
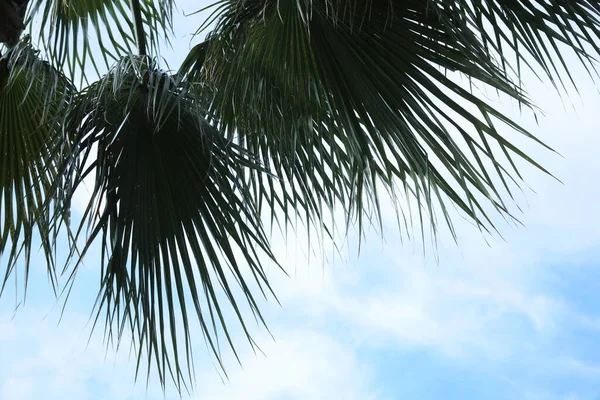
pixel 300 364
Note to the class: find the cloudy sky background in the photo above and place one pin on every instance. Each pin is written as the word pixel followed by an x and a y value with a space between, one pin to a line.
pixel 516 317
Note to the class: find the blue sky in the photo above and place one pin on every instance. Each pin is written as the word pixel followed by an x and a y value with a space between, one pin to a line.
pixel 516 317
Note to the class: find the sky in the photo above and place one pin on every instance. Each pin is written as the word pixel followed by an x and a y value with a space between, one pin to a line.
pixel 515 316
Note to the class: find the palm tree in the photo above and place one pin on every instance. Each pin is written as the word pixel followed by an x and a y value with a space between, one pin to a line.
pixel 286 110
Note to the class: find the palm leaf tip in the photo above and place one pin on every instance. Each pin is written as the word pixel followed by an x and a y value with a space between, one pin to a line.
pixel 170 212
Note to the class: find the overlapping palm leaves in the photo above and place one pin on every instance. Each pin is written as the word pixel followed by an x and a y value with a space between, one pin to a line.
pixel 67 26
pixel 171 213
pixel 356 94
pixel 33 98
pixel 292 107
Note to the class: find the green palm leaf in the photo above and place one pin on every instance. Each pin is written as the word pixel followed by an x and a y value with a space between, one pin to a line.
pixel 340 97
pixel 171 213
pixel 538 30
pixel 33 99
pixel 68 25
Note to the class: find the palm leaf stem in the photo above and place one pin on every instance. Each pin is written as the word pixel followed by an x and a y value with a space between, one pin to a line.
pixel 140 34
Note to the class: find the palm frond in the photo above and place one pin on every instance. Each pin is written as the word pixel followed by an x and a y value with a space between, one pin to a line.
pixel 68 26
pixel 191 67
pixel 33 100
pixel 172 216
pixel 338 97
pixel 536 32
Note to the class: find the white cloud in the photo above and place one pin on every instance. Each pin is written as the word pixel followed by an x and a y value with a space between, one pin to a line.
pixel 299 365
pixel 43 360
pixel 7 330
pixel 16 389
pixel 57 362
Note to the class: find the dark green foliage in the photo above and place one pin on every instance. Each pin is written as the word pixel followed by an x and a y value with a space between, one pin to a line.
pixel 33 97
pixel 168 208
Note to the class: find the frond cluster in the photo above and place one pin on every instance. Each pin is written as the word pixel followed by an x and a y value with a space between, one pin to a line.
pixel 288 109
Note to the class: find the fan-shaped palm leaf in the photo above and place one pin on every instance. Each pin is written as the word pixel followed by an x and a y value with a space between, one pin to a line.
pixel 67 24
pixel 336 95
pixel 33 98
pixel 340 96
pixel 169 208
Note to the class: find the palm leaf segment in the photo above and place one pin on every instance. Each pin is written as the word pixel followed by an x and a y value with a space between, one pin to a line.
pixel 33 99
pixel 68 27
pixel 538 30
pixel 339 97
pixel 173 217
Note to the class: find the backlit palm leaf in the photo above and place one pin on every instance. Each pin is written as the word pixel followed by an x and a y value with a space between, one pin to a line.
pixel 539 29
pixel 173 218
pixel 339 97
pixel 70 24
pixel 33 99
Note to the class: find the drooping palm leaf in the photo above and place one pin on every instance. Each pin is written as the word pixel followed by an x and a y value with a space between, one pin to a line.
pixel 172 215
pixel 191 67
pixel 68 25
pixel 340 96
pixel 33 99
